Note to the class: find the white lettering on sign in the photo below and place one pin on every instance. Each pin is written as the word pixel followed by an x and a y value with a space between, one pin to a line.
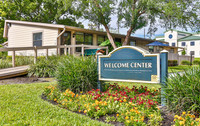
pixel 127 65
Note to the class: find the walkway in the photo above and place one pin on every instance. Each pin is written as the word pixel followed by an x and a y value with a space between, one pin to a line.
pixel 14 71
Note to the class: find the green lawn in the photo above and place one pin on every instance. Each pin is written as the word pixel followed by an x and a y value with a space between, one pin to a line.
pixel 179 68
pixel 22 105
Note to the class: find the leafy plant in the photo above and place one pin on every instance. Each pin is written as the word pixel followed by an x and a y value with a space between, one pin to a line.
pixel 183 91
pixel 196 62
pixel 172 62
pixel 107 43
pixel 185 62
pixel 44 67
pixel 4 64
pixel 77 73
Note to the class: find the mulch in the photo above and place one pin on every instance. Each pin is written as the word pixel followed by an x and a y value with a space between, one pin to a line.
pixel 22 80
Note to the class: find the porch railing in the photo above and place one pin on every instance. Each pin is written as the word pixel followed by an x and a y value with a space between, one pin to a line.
pixel 35 49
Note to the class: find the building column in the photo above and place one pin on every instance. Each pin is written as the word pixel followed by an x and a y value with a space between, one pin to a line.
pixel 95 43
pixel 73 41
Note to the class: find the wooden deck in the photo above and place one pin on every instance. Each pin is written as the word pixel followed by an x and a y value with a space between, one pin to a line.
pixel 13 72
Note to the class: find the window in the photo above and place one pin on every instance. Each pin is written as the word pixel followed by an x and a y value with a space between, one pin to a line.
pixel 170 36
pixel 183 44
pixel 118 40
pixel 192 53
pixel 132 43
pixel 192 43
pixel 171 50
pixel 173 44
pixel 37 39
pixel 101 39
pixel 83 38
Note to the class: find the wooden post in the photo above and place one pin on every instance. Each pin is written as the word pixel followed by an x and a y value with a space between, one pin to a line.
pixel 69 50
pixel 82 50
pixel 47 53
pixel 57 51
pixel 13 59
pixel 35 54
pixel 65 50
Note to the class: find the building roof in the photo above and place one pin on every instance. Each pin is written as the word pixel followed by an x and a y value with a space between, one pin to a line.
pixel 189 38
pixel 178 31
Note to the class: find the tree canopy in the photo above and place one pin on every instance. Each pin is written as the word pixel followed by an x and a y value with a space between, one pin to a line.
pixel 136 14
pixel 46 11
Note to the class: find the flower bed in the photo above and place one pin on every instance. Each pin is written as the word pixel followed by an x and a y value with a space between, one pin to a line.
pixel 136 106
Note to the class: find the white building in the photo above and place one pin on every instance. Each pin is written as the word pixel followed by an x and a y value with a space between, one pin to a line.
pixel 190 42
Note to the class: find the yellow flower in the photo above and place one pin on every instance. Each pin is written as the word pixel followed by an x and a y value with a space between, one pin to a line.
pixel 79 110
pixel 85 111
pixel 142 119
pixel 76 95
pixel 151 115
pixel 192 123
pixel 124 100
pixel 193 116
pixel 81 92
pixel 55 99
pixel 63 103
pixel 127 121
pixel 126 117
pixel 181 122
pixel 176 116
pixel 117 115
pixel 132 118
pixel 96 102
pixel 183 113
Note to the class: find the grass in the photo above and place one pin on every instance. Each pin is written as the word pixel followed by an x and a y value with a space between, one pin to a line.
pixel 22 105
pixel 180 68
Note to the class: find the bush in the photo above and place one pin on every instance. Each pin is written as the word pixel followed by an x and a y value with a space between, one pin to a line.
pixel 185 62
pixel 21 60
pixel 4 64
pixel 77 73
pixel 196 62
pixel 183 91
pixel 172 62
pixel 44 67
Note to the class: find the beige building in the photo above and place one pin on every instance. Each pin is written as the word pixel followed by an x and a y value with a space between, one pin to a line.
pixel 29 34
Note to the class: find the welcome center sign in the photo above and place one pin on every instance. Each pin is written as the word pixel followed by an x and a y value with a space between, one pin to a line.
pixel 130 64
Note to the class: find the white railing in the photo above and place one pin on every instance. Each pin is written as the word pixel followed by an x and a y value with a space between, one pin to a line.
pixel 35 48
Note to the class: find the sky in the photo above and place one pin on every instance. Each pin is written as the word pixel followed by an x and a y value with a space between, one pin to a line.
pixel 138 33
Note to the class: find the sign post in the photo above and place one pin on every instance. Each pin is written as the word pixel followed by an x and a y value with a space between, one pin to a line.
pixel 98 82
pixel 164 74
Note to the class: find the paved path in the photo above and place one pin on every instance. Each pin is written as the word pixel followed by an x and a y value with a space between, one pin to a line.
pixel 14 71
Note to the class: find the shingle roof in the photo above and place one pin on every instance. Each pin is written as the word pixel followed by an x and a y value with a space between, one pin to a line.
pixel 189 38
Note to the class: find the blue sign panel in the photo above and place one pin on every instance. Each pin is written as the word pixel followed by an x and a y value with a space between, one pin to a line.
pixel 131 64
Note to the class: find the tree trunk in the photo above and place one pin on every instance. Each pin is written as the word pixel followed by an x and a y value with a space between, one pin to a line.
pixel 110 37
pixel 127 36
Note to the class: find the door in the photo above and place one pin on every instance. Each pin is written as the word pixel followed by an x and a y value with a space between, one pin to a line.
pixel 65 40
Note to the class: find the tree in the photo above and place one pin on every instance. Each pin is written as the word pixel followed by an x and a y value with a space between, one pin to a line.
pixel 136 14
pixel 98 11
pixel 46 11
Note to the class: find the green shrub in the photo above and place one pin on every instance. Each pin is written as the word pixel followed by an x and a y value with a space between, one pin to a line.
pixel 21 60
pixel 183 91
pixel 44 67
pixel 77 73
pixel 4 64
pixel 196 62
pixel 172 62
pixel 185 62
